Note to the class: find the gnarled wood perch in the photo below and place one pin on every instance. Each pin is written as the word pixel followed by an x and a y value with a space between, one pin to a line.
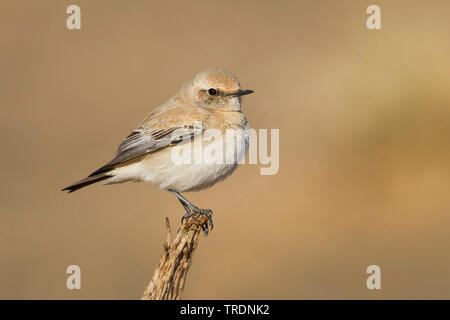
pixel 169 277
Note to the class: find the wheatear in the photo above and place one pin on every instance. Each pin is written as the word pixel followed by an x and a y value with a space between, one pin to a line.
pixel 212 100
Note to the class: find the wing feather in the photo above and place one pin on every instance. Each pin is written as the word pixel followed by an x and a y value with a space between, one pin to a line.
pixel 147 139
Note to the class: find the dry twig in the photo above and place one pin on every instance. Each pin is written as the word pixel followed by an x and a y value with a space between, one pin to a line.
pixel 169 277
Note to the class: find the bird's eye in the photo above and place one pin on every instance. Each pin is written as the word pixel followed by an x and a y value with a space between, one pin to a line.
pixel 212 92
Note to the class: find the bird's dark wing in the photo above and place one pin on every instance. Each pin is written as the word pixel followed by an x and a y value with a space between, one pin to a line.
pixel 142 142
pixel 165 126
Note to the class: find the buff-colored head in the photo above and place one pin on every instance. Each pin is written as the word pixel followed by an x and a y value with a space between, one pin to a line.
pixel 215 89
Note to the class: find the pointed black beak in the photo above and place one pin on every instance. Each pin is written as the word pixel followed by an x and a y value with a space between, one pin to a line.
pixel 240 93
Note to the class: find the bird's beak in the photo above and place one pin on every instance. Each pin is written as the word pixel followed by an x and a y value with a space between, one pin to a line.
pixel 240 92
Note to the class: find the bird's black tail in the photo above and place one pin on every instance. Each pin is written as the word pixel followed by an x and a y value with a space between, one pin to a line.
pixel 85 182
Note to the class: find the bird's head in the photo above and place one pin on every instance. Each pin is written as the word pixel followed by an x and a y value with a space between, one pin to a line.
pixel 215 89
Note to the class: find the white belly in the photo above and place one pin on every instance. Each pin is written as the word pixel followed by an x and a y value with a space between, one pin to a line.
pixel 160 168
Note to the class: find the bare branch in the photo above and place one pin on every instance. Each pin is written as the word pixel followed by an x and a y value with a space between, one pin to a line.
pixel 169 277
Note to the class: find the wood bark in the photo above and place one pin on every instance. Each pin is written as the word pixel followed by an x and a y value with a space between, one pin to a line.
pixel 169 277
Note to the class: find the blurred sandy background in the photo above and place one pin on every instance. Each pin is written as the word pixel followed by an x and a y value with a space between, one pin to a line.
pixel 364 119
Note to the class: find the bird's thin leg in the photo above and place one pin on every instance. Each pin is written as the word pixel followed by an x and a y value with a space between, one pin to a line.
pixel 186 204
pixel 188 211
pixel 192 209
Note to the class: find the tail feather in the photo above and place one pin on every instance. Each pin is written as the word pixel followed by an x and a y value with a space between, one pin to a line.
pixel 85 182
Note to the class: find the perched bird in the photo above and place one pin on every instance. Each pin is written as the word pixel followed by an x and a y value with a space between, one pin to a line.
pixel 211 102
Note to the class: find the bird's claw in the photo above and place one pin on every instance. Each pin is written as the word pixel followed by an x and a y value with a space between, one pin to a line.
pixel 209 225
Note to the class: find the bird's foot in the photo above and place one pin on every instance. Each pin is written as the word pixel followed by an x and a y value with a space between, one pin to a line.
pixel 209 225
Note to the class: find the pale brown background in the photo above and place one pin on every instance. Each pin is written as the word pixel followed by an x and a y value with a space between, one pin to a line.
pixel 364 123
